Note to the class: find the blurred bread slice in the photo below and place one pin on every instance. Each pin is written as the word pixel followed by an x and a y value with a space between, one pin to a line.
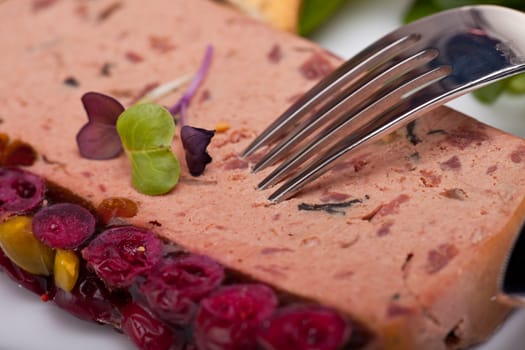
pixel 281 14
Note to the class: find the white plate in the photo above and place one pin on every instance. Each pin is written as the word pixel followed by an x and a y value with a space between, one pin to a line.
pixel 27 323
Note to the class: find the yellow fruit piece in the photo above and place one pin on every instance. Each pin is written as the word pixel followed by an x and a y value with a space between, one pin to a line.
pixel 21 246
pixel 66 269
pixel 282 14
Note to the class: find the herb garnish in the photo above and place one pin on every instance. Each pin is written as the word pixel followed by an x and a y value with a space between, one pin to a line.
pixel 146 131
pixel 194 140
pixel 98 138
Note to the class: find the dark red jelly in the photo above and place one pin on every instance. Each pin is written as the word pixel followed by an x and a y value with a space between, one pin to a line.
pixel 229 318
pixel 148 331
pixel 304 328
pixel 174 288
pixel 91 300
pixel 40 285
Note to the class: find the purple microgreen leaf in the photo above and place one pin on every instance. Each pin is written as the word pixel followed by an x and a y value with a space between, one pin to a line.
pixel 102 108
pixel 97 141
pixel 195 141
pixel 184 101
pixel 98 138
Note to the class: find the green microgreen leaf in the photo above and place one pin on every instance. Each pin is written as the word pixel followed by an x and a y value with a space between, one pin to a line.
pixel 154 172
pixel 146 131
pixel 314 13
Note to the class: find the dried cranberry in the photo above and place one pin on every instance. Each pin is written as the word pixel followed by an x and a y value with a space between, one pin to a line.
pixel 304 328
pixel 63 225
pixel 230 317
pixel 114 207
pixel 19 153
pixel 37 284
pixel 120 254
pixel 146 330
pixel 20 191
pixel 174 288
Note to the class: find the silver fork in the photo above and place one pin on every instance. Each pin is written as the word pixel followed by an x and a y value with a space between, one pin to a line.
pixel 403 75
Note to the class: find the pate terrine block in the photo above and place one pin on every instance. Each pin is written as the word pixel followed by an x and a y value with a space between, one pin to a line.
pixel 405 237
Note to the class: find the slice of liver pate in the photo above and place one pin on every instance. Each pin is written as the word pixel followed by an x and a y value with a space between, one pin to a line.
pixel 416 260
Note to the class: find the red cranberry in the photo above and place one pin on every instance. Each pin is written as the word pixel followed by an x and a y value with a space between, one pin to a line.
pixel 120 254
pixel 230 317
pixel 146 330
pixel 174 288
pixel 37 284
pixel 20 191
pixel 304 328
pixel 90 300
pixel 63 225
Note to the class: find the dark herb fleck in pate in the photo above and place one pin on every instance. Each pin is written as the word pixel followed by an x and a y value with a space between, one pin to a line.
pixel 332 208
pixel 411 135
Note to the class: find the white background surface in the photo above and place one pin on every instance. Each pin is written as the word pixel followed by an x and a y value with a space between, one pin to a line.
pixel 26 323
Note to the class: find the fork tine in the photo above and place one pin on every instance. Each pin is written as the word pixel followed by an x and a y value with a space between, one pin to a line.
pixel 376 126
pixel 349 104
pixel 474 50
pixel 347 74
pixel 350 121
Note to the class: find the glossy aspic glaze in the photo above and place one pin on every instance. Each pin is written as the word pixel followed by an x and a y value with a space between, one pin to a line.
pixel 407 237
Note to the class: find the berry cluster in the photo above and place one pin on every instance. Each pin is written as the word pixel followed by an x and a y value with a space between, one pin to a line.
pixel 127 277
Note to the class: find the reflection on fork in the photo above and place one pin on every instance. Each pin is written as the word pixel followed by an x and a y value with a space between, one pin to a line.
pixel 393 81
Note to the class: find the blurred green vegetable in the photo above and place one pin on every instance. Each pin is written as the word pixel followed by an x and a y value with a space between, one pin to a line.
pixel 488 94
pixel 516 85
pixel 419 9
pixel 315 12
